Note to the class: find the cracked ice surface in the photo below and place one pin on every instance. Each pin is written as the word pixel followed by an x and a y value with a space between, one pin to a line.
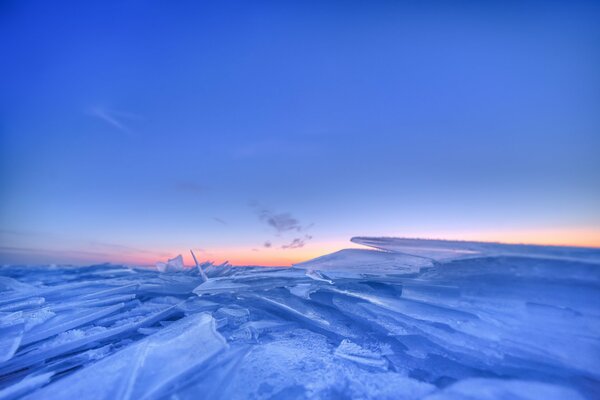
pixel 406 319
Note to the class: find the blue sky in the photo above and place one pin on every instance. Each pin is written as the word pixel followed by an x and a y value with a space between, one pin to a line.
pixel 131 131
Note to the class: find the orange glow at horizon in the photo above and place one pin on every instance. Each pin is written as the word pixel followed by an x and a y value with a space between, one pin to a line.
pixel 586 237
pixel 271 257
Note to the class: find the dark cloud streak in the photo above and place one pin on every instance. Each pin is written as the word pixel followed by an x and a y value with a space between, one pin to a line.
pixel 294 244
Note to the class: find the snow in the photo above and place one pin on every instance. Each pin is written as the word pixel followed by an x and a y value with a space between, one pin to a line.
pixel 406 319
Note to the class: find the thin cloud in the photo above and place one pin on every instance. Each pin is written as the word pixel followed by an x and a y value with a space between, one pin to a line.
pixel 114 118
pixel 219 220
pixel 281 222
pixel 295 244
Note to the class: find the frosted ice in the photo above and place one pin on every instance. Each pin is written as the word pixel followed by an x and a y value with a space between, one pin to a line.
pixel 172 265
pixel 353 352
pixel 406 319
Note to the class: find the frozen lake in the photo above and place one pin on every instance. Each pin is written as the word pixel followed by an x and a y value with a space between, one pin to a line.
pixel 407 319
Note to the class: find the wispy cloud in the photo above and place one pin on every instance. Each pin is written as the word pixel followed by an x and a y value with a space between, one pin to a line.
pixel 283 223
pixel 219 220
pixel 297 242
pixel 114 118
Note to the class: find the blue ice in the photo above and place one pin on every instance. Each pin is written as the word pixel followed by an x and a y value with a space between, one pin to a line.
pixel 399 319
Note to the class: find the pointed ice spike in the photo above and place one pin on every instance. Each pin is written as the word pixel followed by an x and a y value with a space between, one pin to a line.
pixel 202 274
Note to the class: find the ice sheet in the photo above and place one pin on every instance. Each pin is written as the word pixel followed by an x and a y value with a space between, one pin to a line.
pixel 407 319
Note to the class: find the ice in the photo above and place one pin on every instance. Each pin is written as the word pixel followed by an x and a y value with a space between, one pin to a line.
pixel 217 286
pixel 146 369
pixel 447 250
pixel 26 385
pixel 10 340
pixel 488 389
pixel 405 319
pixel 353 352
pixel 303 290
pixel 252 330
pixel 172 265
pixel 356 263
pixel 317 276
pixel 76 339
pixel 23 304
pixel 301 312
pixel 200 267
pixel 62 323
pixel 233 316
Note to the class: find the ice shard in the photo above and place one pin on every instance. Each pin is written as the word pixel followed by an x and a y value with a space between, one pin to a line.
pixel 147 369
pixel 172 265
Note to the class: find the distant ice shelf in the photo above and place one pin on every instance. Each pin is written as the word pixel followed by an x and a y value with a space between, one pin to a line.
pixel 401 319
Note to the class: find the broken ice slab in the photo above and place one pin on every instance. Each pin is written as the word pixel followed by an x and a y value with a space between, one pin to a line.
pixel 172 265
pixel 220 285
pixel 194 305
pixel 77 359
pixel 31 302
pixel 318 276
pixel 36 317
pixel 360 355
pixel 252 330
pixel 25 386
pixel 252 279
pixel 54 291
pixel 303 290
pixel 415 309
pixel 297 311
pixel 149 368
pixel 446 250
pixel 10 340
pixel 136 310
pixel 103 301
pixel 357 263
pixel 148 331
pixel 234 316
pixel 75 339
pixel 399 256
pixel 67 321
pixel 7 283
pixel 445 340
pixel 10 318
pixel 125 288
pixel 258 274
pixel 493 389
pixel 169 284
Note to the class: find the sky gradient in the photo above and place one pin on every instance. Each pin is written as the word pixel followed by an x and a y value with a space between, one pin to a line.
pixel 272 132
